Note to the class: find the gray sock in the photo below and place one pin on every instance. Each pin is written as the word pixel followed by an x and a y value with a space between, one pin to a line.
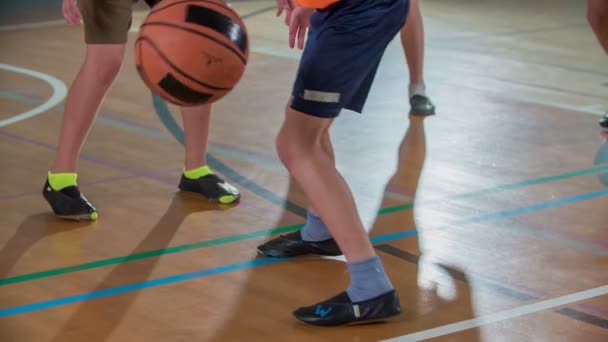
pixel 367 280
pixel 314 229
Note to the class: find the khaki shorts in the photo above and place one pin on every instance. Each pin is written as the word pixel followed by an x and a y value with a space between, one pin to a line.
pixel 107 21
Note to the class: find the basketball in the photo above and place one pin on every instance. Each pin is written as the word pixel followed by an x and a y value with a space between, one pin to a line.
pixel 191 52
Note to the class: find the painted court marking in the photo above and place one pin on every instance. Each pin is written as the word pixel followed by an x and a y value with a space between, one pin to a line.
pixel 377 239
pixel 502 315
pixel 59 93
pixel 422 335
pixel 42 305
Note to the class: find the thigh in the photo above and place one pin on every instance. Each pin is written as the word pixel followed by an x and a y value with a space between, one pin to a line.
pixel 106 21
pixel 345 45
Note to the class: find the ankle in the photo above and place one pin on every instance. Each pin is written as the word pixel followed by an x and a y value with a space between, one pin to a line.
pixel 198 172
pixel 61 180
pixel 368 279
pixel 417 88
pixel 314 230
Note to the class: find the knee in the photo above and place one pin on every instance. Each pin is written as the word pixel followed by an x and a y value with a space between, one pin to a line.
pixel 300 139
pixel 294 149
pixel 109 68
pixel 287 148
pixel 106 64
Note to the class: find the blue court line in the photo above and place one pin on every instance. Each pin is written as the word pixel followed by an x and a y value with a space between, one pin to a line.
pixel 394 236
pixel 135 286
pixel 535 207
pixel 260 262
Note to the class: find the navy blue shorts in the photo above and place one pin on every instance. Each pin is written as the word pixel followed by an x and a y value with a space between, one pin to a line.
pixel 345 44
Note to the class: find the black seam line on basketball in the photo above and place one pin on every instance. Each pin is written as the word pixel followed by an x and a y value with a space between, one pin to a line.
pixel 162 23
pixel 142 74
pixel 568 312
pixel 180 71
pixel 140 67
pixel 182 92
pixel 243 30
pixel 218 22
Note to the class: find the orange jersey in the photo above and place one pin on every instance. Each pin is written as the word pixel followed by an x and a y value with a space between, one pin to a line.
pixel 320 4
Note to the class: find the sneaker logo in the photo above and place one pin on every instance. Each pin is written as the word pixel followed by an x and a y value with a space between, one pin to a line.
pixel 357 311
pixel 322 313
pixel 228 188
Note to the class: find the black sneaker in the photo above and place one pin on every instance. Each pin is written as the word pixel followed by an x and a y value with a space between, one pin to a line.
pixel 212 187
pixel 340 310
pixel 292 245
pixel 604 122
pixel 69 203
pixel 421 106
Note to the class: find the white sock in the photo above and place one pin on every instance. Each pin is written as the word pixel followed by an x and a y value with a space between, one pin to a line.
pixel 417 89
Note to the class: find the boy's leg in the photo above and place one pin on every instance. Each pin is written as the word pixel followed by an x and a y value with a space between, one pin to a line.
pixel 106 29
pixel 301 149
pixel 314 238
pixel 336 71
pixel 100 68
pixel 597 14
pixel 412 40
pixel 197 176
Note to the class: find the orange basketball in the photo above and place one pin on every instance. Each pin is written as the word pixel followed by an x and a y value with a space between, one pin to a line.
pixel 191 52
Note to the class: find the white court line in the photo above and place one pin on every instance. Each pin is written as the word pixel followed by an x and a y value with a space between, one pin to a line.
pixel 40 24
pixel 502 315
pixel 59 93
pixel 594 107
pixel 595 110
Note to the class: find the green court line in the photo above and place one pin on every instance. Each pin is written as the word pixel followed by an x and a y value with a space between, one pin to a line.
pixel 501 188
pixel 267 232
pixel 149 254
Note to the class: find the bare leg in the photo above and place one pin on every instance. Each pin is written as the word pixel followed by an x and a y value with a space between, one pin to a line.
pixel 301 149
pixel 198 177
pixel 197 121
pixel 597 14
pixel 100 68
pixel 412 40
pixel 96 75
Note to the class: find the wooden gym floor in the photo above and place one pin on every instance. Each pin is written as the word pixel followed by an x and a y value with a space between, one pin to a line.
pixel 498 193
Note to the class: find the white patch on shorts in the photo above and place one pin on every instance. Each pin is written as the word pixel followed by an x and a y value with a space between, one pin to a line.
pixel 321 96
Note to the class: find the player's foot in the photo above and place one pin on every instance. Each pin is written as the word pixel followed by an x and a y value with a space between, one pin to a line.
pixel 212 187
pixel 292 245
pixel 340 310
pixel 604 122
pixel 69 203
pixel 421 106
